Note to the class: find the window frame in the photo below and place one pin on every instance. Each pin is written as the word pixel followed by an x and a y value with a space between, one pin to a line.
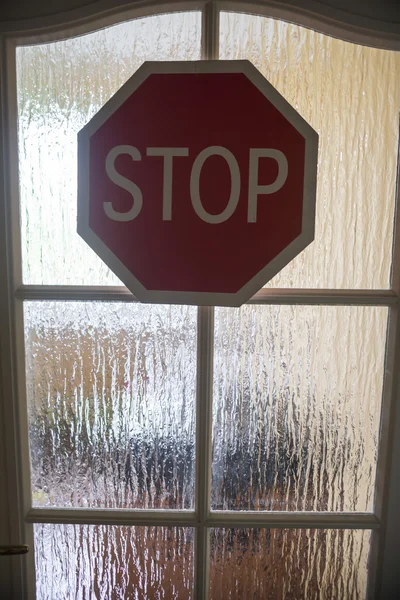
pixel 21 514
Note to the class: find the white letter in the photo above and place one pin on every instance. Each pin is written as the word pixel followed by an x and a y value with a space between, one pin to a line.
pixel 195 184
pixel 168 154
pixel 254 188
pixel 124 183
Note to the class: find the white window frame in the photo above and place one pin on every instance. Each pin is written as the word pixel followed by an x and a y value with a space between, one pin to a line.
pixel 385 520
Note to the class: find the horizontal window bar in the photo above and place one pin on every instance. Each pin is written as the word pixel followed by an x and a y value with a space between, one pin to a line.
pixel 320 296
pixel 75 292
pixel 278 520
pixel 296 520
pixel 264 296
pixel 99 516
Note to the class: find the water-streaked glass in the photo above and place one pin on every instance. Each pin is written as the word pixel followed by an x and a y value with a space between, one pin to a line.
pixel 60 86
pixel 297 402
pixel 111 401
pixel 350 95
pixel 289 564
pixel 100 562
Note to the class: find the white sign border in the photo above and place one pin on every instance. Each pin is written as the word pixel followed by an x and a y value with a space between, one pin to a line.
pixel 309 191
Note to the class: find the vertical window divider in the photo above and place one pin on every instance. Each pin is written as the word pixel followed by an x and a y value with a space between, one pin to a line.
pixel 205 352
pixel 205 347
pixel 210 32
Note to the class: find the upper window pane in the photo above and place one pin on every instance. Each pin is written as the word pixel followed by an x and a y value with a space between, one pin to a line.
pixel 351 95
pixel 60 87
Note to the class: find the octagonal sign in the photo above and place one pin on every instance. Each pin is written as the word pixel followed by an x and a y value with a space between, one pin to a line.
pixel 197 182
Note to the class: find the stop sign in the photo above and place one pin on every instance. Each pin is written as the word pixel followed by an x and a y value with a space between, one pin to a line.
pixel 196 182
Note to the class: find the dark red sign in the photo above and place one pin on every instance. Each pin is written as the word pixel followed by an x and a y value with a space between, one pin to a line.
pixel 197 182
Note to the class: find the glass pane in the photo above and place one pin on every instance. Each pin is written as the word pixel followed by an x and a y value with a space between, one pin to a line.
pixel 297 399
pixel 113 562
pixel 60 87
pixel 111 396
pixel 351 95
pixel 289 564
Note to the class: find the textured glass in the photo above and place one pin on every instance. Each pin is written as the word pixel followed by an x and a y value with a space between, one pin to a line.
pixel 60 87
pixel 111 397
pixel 97 562
pixel 289 564
pixel 351 96
pixel 297 400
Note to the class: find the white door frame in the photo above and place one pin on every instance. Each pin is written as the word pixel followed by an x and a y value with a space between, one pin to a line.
pixel 15 501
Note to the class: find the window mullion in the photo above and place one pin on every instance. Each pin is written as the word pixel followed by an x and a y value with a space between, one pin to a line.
pixel 205 346
pixel 210 32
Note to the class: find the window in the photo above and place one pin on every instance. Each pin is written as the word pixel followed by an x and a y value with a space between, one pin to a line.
pixel 184 452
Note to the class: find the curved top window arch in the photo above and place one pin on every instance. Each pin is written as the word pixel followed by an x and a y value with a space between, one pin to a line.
pixel 375 26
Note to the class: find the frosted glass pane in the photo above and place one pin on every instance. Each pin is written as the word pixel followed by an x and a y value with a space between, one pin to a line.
pixel 60 87
pixel 351 95
pixel 289 564
pixel 87 562
pixel 297 400
pixel 111 398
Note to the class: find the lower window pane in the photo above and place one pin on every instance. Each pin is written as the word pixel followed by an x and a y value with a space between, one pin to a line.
pixel 289 564
pixel 111 398
pixel 85 562
pixel 297 402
